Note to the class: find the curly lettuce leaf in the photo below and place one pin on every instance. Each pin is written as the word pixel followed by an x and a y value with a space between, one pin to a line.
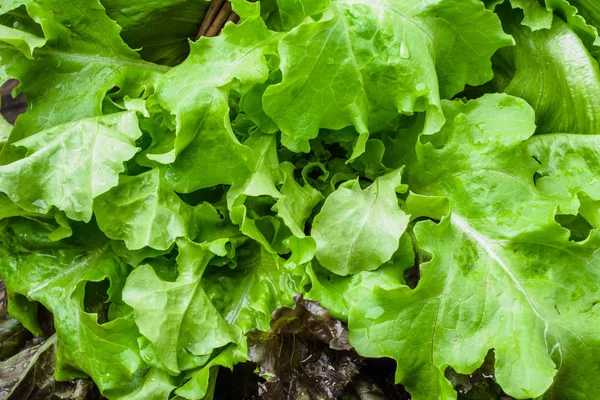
pixel 201 384
pixel 496 277
pixel 83 55
pixel 247 295
pixel 55 274
pixel 69 165
pixel 180 308
pixel 144 213
pixel 580 15
pixel 342 293
pixel 203 137
pixel 363 63
pixel 358 230
pixel 206 309
pixel 23 41
pixel 570 169
pixel 297 202
pixel 555 73
pixel 157 385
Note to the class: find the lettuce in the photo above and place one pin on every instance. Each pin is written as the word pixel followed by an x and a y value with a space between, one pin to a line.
pixel 427 171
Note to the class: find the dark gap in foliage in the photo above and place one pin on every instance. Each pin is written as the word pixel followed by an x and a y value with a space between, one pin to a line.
pixel 112 103
pixel 260 206
pixel 578 226
pixel 559 12
pixel 45 319
pixel 160 35
pixel 240 384
pixel 19 19
pixel 132 168
pixel 314 169
pixel 13 335
pixel 212 195
pixel 377 379
pixel 96 299
pixel 314 173
pixel 307 228
pixel 166 268
pixel 12 108
pixel 337 150
pixel 474 92
pixel 480 385
pixel 412 276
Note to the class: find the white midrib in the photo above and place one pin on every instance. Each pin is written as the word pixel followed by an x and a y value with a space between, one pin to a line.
pixel 488 245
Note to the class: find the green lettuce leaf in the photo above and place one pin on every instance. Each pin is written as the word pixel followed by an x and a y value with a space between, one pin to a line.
pixel 25 42
pixel 363 63
pixel 358 230
pixel 296 202
pixel 181 308
pixel 143 212
pixel 55 274
pixel 545 63
pixel 202 384
pixel 5 129
pixel 69 165
pixel 294 12
pixel 570 169
pixel 581 15
pixel 248 294
pixel 340 294
pixel 206 309
pixel 157 385
pixel 162 201
pixel 83 55
pixel 495 279
pixel 204 137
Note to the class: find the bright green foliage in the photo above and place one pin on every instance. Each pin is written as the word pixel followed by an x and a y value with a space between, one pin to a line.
pixel 45 178
pixel 5 129
pixel 143 212
pixel 184 308
pixel 544 63
pixel 364 63
pixel 570 169
pixel 495 280
pixel 83 53
pixel 358 230
pixel 23 41
pixel 203 380
pixel 581 15
pixel 55 274
pixel 429 171
pixel 197 96
pixel 296 202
